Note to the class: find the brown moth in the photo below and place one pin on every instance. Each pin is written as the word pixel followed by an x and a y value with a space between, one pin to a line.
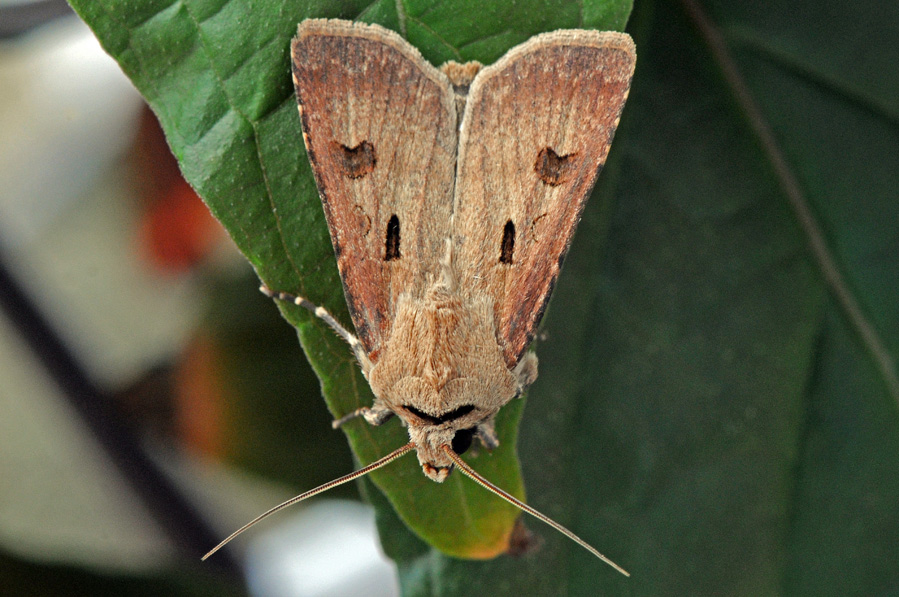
pixel 449 243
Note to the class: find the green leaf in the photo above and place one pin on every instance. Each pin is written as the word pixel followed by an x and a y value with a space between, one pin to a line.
pixel 717 410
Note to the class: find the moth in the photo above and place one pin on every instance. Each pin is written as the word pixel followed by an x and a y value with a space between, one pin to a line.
pixel 451 196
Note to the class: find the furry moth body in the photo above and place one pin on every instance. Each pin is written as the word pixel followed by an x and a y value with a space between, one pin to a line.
pixel 451 197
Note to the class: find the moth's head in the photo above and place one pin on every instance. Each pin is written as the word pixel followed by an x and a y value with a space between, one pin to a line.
pixel 445 403
pixel 430 432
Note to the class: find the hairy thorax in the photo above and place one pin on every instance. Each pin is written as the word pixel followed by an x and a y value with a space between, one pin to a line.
pixel 442 372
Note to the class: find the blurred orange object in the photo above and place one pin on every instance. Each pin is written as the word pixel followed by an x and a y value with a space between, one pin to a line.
pixel 177 230
pixel 199 397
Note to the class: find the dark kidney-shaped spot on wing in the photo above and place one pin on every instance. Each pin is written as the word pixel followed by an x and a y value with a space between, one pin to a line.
pixel 552 168
pixel 355 162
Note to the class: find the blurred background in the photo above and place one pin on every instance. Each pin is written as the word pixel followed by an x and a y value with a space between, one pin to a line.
pixel 702 381
pixel 139 363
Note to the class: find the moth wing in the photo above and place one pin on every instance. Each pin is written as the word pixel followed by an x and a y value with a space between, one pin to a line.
pixel 535 133
pixel 380 129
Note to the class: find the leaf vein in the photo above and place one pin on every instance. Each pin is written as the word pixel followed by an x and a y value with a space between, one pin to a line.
pixel 791 187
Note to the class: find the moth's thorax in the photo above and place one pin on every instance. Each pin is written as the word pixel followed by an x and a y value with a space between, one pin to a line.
pixel 442 369
pixel 443 353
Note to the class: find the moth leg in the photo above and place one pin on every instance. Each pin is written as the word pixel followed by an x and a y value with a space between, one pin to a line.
pixel 487 434
pixel 526 371
pixel 323 314
pixel 374 415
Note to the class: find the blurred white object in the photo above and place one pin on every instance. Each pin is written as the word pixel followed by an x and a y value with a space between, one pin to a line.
pixel 67 219
pixel 68 204
pixel 61 499
pixel 67 112
pixel 329 548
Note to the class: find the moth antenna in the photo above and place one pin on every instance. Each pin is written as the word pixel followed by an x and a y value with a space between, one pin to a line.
pixel 477 478
pixel 321 488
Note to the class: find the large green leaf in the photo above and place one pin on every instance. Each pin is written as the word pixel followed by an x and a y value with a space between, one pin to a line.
pixel 717 409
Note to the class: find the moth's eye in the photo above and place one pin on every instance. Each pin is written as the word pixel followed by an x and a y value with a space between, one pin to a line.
pixel 356 162
pixel 507 246
pixel 392 245
pixel 554 169
pixel 462 440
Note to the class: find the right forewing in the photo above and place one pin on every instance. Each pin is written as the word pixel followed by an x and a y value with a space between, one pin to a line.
pixel 536 131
